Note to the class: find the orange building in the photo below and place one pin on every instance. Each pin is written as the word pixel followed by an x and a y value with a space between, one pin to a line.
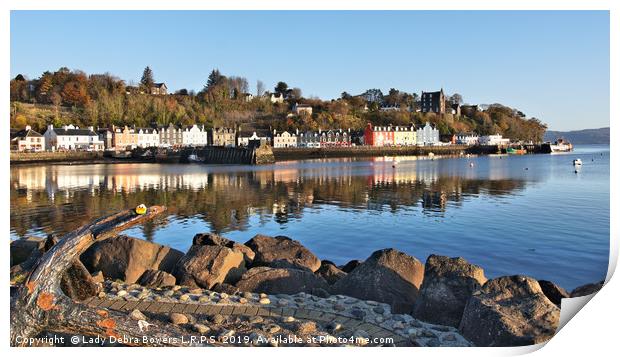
pixel 124 137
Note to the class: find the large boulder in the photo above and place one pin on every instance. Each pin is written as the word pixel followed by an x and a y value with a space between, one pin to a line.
pixel 22 249
pixel 587 289
pixel 552 291
pixel 157 279
pixel 280 281
pixel 347 268
pixel 447 286
pixel 214 239
pixel 206 265
pixel 127 258
pixel 78 284
pixel 330 272
pixel 509 311
pixel 387 276
pixel 271 249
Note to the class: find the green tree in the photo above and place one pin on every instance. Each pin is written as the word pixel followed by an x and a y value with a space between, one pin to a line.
pixel 147 81
pixel 281 88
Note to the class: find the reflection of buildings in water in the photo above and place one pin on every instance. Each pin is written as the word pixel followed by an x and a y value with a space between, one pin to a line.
pixel 434 200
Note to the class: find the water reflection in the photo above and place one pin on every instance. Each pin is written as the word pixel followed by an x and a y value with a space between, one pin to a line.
pixel 60 198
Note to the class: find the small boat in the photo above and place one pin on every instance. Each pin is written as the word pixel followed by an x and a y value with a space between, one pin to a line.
pixel 195 158
pixel 514 151
pixel 577 162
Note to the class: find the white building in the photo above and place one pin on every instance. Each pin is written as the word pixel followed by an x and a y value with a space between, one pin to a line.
pixel 244 137
pixel 284 140
pixel 27 140
pixel 467 139
pixel 302 108
pixel 148 137
pixel 194 136
pixel 71 137
pixel 427 135
pixel 496 139
pixel 276 98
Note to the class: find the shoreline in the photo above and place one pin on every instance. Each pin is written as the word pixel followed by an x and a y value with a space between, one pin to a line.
pixel 279 154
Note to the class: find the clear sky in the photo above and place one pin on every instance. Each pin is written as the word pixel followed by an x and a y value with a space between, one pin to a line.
pixel 551 65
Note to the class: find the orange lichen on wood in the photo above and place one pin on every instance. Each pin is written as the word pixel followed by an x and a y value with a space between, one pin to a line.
pixel 102 313
pixel 107 323
pixel 30 286
pixel 45 301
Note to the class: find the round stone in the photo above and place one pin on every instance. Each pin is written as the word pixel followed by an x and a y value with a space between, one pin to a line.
pixel 184 297
pixel 223 296
pixel 256 320
pixel 247 295
pixel 168 292
pixel 121 293
pixel 264 301
pixel 378 309
pixel 339 307
pixel 288 319
pixel 137 315
pixel 178 319
pixel 196 291
pixel 204 299
pixel 217 319
pixel 272 328
pixel 263 295
pixel 306 327
pixel 200 328
pixel 358 314
pixel 379 319
pixel 243 300
pixel 102 294
pixel 282 302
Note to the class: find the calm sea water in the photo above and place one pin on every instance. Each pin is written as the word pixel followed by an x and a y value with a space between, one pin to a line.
pixel 528 214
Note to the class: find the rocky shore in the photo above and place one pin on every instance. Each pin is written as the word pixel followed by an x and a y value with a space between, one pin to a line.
pixel 269 289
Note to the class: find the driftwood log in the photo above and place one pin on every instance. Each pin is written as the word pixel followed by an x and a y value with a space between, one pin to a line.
pixel 40 304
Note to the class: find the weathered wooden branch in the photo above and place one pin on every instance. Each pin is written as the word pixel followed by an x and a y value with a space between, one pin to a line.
pixel 41 305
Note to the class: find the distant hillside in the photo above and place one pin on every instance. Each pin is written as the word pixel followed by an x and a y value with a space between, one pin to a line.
pixel 586 136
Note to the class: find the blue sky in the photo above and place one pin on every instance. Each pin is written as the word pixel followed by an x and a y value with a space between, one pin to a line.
pixel 551 65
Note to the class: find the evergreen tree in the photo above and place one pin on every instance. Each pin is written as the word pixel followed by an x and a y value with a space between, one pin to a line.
pixel 147 80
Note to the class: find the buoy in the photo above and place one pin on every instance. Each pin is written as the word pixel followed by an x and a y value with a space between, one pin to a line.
pixel 141 209
pixel 526 168
pixel 471 164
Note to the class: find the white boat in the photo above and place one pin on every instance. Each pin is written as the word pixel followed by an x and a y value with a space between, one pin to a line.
pixel 561 145
pixel 577 162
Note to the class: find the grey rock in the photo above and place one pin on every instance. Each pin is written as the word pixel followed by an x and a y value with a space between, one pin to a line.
pixel 157 279
pixel 215 239
pixel 127 258
pixel 552 291
pixel 447 287
pixel 272 249
pixel 509 311
pixel 587 289
pixel 178 319
pixel 280 281
pixel 387 276
pixel 206 265
pixel 347 268
pixel 330 272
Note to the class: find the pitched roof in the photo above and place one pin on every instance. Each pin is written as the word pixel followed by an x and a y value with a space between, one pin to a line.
pixel 73 132
pixel 259 132
pixel 24 133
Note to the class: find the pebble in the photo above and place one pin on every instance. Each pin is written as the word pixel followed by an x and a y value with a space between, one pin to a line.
pixel 176 287
pixel 264 301
pixel 282 302
pixel 200 328
pixel 379 319
pixel 247 295
pixel 398 325
pixel 449 337
pixel 227 333
pixel 217 319
pixel 196 291
pixel 306 327
pixel 178 319
pixel 184 297
pixel 288 319
pixel 334 326
pixel 223 296
pixel 102 294
pixel 398 318
pixel 272 328
pixel 243 300
pixel 378 310
pixel 137 315
pixel 358 314
pixel 256 320
pixel 204 299
pixel 263 295
pixel 168 292
pixel 339 307
pixel 121 293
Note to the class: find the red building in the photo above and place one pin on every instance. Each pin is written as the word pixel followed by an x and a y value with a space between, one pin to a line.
pixel 378 135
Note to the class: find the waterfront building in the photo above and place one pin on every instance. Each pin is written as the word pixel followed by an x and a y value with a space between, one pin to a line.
pixel 245 137
pixel 427 135
pixel 309 139
pixel 107 137
pixel 27 140
pixel 496 139
pixel 193 135
pixel 148 137
pixel 71 137
pixel 433 102
pixel 285 139
pixel 302 108
pixel 222 137
pixel 170 136
pixel 335 138
pixel 124 138
pixel 467 138
pixel 389 135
